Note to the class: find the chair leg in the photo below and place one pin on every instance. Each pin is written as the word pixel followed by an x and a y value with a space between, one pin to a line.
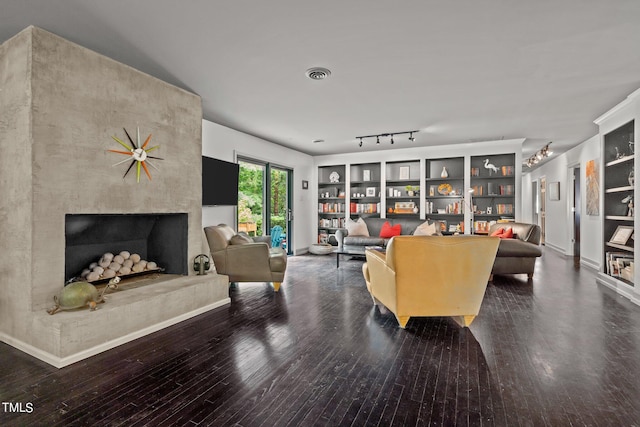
pixel 464 321
pixel 276 286
pixel 403 320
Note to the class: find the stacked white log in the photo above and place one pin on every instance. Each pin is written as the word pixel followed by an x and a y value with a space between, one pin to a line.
pixel 110 265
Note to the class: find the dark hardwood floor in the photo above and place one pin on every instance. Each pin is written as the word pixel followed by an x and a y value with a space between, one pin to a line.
pixel 555 351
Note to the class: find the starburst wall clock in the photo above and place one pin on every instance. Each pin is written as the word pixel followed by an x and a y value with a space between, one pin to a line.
pixel 138 154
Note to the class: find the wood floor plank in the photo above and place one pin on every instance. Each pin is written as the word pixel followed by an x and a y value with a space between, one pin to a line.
pixel 554 350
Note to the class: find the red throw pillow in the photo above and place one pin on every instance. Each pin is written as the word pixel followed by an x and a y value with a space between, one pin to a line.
pixel 498 232
pixel 387 231
pixel 507 234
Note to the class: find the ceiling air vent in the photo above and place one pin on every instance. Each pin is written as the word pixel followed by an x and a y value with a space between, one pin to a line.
pixel 318 73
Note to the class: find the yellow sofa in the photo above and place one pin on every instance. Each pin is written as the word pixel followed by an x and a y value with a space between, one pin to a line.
pixel 431 276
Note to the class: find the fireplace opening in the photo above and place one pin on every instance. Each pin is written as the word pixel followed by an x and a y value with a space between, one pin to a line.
pixel 162 238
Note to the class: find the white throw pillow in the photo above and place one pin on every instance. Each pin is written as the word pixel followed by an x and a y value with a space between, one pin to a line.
pixel 357 228
pixel 426 229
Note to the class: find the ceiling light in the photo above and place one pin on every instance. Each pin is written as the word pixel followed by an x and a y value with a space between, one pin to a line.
pixel 317 73
pixel 389 134
pixel 541 154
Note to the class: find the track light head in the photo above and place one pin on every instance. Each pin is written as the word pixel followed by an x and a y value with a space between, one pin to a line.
pixel 378 139
pixel 411 138
pixel 391 139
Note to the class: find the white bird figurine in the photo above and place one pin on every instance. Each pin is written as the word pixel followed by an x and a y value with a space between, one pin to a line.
pixel 490 166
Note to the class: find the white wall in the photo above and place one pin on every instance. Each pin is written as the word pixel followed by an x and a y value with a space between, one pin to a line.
pixel 559 223
pixel 226 144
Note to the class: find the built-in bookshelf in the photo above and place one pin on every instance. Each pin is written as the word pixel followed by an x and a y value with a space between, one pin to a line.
pixel 331 201
pixel 492 179
pixel 435 189
pixel 619 225
pixel 364 190
pixel 402 189
pixel 444 184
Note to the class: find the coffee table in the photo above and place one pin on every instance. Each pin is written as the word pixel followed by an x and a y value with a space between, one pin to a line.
pixel 359 252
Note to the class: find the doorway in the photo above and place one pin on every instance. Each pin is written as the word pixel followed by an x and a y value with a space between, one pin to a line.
pixel 265 200
pixel 575 209
pixel 535 205
pixel 543 208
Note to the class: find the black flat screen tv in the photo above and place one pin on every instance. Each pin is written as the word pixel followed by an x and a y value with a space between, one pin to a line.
pixel 219 182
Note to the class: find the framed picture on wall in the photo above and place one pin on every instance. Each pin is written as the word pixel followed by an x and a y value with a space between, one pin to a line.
pixel 371 192
pixel 554 191
pixel 366 175
pixel 404 172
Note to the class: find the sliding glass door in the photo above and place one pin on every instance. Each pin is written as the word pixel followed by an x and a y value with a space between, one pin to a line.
pixel 265 200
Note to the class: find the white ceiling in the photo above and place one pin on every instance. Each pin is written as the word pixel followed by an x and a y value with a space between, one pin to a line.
pixel 457 70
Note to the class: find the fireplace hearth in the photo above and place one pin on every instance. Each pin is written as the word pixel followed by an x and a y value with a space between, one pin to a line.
pixel 161 238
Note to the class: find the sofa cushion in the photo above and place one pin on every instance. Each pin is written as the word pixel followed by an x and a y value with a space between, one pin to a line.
pixel 389 230
pixel 523 231
pixel 517 248
pixel 498 232
pixel 508 234
pixel 356 228
pixel 426 229
pixel 239 239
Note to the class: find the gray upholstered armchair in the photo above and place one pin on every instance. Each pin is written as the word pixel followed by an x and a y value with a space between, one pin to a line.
pixel 245 259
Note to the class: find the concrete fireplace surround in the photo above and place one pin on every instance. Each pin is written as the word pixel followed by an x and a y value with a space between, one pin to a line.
pixel 60 105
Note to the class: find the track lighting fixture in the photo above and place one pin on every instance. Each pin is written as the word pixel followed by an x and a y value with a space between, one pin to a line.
pixel 389 134
pixel 541 154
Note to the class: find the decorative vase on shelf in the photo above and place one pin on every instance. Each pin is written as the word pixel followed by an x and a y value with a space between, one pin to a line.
pixel 632 179
pixel 444 173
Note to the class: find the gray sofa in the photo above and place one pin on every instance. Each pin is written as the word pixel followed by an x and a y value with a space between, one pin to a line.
pixel 515 256
pixel 518 255
pixel 374 224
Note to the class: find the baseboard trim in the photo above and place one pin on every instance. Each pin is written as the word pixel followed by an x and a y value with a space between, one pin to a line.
pixel 621 288
pixel 61 362
pixel 555 248
pixel 589 263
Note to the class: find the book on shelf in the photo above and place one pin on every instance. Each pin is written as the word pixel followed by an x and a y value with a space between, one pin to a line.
pixel 504 209
pixel 331 222
pixel 507 170
pixel 330 207
pixel 364 207
pixel 506 190
pixel 482 227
